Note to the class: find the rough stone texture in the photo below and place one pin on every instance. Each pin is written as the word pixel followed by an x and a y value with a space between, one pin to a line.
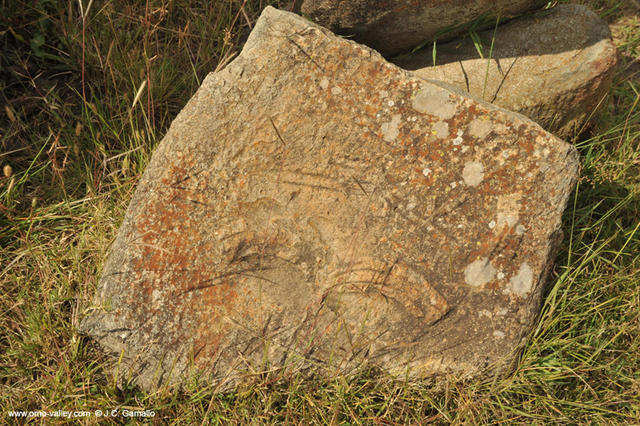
pixel 554 67
pixel 316 207
pixel 393 26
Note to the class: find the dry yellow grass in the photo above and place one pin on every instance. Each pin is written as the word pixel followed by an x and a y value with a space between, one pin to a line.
pixel 84 103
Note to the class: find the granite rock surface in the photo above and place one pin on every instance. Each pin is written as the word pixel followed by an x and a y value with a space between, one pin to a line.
pixel 316 208
pixel 393 26
pixel 555 66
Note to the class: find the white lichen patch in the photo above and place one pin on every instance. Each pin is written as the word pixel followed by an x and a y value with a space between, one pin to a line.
pixel 336 90
pixel 498 334
pixel 508 210
pixel 441 129
pixel 436 101
pixel 544 153
pixel 324 83
pixel 522 282
pixel 520 230
pixel 458 139
pixel 473 173
pixel 426 171
pixel 156 298
pixel 480 127
pixel 479 272
pixel 390 130
pixel 485 313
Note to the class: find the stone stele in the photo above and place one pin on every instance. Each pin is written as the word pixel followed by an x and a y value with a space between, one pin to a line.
pixel 393 26
pixel 315 208
pixel 555 67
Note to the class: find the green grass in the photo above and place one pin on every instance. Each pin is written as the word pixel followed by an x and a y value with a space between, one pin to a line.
pixel 79 118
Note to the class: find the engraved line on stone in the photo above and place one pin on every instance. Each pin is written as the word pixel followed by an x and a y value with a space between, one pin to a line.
pixel 360 185
pixel 277 132
pixel 184 179
pixel 305 352
pixel 304 52
pixel 212 281
pixel 191 201
pixel 326 188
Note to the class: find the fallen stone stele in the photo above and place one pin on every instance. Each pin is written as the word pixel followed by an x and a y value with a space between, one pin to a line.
pixel 555 66
pixel 314 207
pixel 393 26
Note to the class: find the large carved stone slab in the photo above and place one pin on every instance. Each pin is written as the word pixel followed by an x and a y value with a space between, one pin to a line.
pixel 393 26
pixel 555 66
pixel 316 207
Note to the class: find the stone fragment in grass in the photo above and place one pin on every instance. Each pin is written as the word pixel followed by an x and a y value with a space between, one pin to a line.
pixel 555 66
pixel 393 26
pixel 311 209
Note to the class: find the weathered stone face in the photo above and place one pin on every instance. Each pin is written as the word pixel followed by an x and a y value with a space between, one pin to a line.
pixel 555 67
pixel 314 206
pixel 393 26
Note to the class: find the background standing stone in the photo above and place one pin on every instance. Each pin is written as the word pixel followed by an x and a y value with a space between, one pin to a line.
pixel 316 207
pixel 555 66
